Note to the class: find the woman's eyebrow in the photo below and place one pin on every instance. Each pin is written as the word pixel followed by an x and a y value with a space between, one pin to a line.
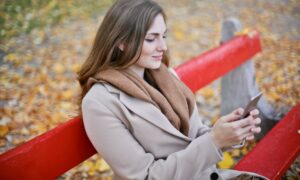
pixel 155 33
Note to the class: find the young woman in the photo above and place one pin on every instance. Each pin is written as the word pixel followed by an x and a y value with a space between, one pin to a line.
pixel 140 118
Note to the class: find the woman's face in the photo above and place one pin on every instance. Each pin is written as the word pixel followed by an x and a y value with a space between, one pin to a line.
pixel 154 45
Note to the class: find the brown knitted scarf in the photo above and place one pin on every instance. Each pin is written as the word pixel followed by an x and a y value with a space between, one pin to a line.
pixel 166 92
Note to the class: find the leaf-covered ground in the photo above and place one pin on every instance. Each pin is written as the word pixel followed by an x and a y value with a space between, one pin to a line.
pixel 38 87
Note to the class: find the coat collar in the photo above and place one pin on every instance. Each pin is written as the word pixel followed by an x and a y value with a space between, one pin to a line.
pixel 146 110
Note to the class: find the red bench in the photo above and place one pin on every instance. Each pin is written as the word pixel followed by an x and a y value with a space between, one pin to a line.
pixel 273 155
pixel 51 154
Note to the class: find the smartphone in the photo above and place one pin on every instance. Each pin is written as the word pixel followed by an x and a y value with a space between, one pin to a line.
pixel 250 106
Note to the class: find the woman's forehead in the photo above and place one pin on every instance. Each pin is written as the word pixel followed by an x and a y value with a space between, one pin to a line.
pixel 158 25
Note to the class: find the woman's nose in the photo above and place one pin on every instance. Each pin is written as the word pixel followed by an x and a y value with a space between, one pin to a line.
pixel 162 46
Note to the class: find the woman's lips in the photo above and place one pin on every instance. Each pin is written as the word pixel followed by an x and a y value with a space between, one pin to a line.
pixel 158 58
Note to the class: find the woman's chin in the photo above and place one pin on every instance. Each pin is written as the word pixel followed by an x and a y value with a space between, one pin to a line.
pixel 155 66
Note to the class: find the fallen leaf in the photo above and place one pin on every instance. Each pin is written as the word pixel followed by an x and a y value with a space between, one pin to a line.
pixel 102 165
pixel 235 152
pixel 76 67
pixel 227 162
pixel 2 142
pixel 58 68
pixel 207 92
pixel 3 130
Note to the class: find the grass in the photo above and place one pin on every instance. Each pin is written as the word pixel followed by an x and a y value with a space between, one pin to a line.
pixel 19 17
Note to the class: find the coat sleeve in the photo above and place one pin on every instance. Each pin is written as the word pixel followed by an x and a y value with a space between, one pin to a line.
pixel 128 159
pixel 196 124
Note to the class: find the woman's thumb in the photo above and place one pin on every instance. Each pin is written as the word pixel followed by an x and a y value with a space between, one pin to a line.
pixel 238 111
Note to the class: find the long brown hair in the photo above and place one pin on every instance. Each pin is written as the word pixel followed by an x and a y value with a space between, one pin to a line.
pixel 126 22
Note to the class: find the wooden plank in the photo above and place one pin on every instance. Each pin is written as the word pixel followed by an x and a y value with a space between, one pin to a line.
pixel 205 68
pixel 273 155
pixel 48 155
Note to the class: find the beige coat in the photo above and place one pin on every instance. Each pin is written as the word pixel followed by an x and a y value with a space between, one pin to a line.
pixel 138 142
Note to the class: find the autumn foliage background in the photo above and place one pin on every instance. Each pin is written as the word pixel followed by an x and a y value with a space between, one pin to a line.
pixel 43 44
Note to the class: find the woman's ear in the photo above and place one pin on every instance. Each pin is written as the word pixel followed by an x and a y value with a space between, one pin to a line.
pixel 121 46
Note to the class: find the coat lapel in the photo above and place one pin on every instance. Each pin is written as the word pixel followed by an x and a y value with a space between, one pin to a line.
pixel 147 111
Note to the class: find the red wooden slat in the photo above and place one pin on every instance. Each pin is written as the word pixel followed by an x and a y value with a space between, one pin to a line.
pixel 48 155
pixel 207 67
pixel 273 155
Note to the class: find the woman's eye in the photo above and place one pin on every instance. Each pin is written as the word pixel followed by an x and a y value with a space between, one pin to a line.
pixel 149 40
pixel 165 36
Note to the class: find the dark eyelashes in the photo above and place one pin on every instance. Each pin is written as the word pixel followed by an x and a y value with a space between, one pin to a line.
pixel 151 40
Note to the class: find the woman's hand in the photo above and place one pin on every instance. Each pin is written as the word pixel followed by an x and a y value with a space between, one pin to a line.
pixel 230 130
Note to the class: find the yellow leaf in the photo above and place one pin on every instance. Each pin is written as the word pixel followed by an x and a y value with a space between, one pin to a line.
pixel 38 128
pixel 2 142
pixel 207 92
pixel 244 150
pixel 108 178
pixel 227 161
pixel 179 35
pixel 3 130
pixel 273 96
pixel 42 90
pixel 28 57
pixel 242 32
pixel 235 152
pixel 56 118
pixel 102 166
pixel 66 105
pixel 42 77
pixel 25 131
pixel 214 119
pixel 67 94
pixel 76 68
pixel 89 166
pixel 11 57
pixel 17 141
pixel 58 68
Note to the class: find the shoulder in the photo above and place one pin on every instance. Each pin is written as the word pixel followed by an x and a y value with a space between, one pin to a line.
pixel 103 100
pixel 95 92
pixel 100 93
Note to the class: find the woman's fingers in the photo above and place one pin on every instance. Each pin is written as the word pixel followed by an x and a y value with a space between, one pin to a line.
pixel 249 138
pixel 231 129
pixel 233 116
pixel 246 128
pixel 257 121
pixel 252 126
pixel 238 111
pixel 236 115
pixel 243 122
pixel 255 130
pixel 254 112
pixel 249 121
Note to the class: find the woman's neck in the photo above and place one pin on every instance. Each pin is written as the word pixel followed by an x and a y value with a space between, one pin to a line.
pixel 138 70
